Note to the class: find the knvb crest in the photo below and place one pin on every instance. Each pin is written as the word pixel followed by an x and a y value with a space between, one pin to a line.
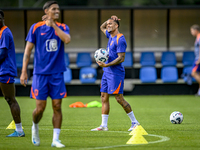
pixel 51 45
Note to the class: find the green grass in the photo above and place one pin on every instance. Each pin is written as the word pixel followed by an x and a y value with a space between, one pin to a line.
pixel 151 111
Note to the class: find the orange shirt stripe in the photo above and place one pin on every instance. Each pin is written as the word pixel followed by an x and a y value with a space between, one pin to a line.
pixel 118 36
pixel 61 24
pixel 2 29
pixel 39 24
pixel 198 37
pixel 117 90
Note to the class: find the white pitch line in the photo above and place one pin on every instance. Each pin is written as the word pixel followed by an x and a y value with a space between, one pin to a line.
pixel 162 139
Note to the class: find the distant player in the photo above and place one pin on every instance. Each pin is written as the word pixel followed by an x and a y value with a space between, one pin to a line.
pixel 195 31
pixel 8 70
pixel 48 37
pixel 113 77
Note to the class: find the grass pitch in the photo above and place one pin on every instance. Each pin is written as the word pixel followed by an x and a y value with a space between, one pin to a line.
pixel 151 111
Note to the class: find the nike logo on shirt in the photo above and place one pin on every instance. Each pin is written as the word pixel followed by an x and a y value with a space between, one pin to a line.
pixel 43 33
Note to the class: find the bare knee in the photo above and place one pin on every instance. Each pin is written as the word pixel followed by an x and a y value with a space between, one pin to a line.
pixel 40 106
pixel 193 74
pixel 10 100
pixel 104 97
pixel 119 98
pixel 57 107
pixel 40 110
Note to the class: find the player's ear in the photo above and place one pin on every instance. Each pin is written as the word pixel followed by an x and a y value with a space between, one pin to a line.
pixel 116 25
pixel 46 11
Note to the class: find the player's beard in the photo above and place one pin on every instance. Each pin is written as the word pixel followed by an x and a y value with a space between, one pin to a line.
pixel 110 31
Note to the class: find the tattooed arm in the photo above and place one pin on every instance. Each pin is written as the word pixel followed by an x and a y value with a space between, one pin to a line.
pixel 118 60
pixel 103 27
pixel 26 58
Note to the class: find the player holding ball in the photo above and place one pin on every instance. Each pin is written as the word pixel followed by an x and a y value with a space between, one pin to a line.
pixel 113 77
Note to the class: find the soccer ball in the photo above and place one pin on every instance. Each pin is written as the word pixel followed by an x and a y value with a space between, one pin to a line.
pixel 101 55
pixel 176 117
